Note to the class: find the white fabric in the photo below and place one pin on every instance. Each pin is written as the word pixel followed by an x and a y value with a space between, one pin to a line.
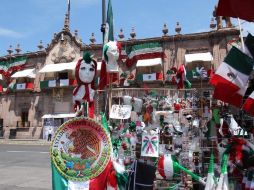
pixel 30 73
pixel 76 185
pixel 149 77
pixel 52 83
pixel 64 82
pixel 98 66
pixel 21 86
pixel 1 77
pixel 149 62
pixel 58 67
pixel 223 182
pixel 168 166
pixel 120 112
pixel 210 183
pixel 198 57
pixel 62 115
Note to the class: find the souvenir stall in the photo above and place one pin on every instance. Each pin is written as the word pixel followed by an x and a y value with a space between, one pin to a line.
pixel 170 137
pixel 155 138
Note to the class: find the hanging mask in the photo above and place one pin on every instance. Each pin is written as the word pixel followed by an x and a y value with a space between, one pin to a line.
pixel 85 69
pixel 111 52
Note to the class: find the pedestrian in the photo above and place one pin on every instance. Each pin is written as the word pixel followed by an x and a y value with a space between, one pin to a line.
pixel 50 130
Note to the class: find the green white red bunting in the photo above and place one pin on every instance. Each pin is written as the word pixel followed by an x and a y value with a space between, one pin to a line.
pixel 144 51
pixel 230 79
pixel 8 67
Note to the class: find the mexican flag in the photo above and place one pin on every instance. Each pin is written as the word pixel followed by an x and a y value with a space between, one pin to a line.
pixel 144 51
pixel 210 182
pixel 248 105
pixel 8 67
pixel 98 183
pixel 181 79
pixel 230 79
pixel 109 36
pixel 236 8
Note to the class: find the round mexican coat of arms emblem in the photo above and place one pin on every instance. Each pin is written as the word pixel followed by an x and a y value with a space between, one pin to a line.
pixel 81 149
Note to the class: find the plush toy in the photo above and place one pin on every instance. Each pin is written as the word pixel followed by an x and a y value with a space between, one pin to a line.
pixel 85 72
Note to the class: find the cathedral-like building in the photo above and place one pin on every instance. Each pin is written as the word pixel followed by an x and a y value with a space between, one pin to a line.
pixel 36 87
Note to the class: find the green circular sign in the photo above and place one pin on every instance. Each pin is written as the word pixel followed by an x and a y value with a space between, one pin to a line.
pixel 81 149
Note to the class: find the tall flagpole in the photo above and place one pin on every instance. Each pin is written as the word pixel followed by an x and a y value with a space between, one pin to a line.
pixel 103 25
pixel 241 34
pixel 69 10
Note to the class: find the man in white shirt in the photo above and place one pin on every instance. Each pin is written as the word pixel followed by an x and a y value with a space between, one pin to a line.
pixel 50 131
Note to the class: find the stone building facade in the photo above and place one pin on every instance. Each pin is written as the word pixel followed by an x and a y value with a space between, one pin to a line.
pixel 22 110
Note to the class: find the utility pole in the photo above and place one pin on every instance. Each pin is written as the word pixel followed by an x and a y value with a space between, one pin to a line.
pixel 103 25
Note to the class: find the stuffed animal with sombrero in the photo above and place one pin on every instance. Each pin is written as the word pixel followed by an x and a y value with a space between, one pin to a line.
pixel 85 73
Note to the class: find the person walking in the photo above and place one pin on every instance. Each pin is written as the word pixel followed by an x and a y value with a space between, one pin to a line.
pixel 50 131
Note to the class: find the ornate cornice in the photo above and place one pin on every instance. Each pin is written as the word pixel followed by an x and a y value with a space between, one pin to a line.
pixel 57 38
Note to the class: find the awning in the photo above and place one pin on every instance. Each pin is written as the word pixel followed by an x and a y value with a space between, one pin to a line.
pixel 30 73
pixel 63 66
pixel 61 115
pixel 149 62
pixel 198 57
pixel 58 67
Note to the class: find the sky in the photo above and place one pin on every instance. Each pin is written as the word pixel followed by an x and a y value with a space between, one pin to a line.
pixel 26 22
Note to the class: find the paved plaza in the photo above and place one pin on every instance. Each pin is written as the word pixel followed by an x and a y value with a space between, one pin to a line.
pixel 24 165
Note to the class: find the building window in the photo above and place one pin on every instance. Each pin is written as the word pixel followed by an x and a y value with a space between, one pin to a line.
pixel 63 75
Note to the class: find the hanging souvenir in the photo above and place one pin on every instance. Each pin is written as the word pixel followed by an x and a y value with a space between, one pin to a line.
pixel 85 72
pixel 150 145
pixel 111 52
pixel 136 103
pixel 166 167
pixel 120 112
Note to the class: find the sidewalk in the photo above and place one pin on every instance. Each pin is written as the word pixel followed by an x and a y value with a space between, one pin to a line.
pixel 41 142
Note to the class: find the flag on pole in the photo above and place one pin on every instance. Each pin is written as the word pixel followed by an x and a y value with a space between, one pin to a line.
pixel 248 105
pixel 235 8
pixel 230 79
pixel 210 182
pixel 109 31
pixel 108 36
pixel 181 78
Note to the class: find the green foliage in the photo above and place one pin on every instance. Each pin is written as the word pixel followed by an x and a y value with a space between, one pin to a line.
pixel 62 166
pixel 55 152
pixel 66 157
pixel 72 173
pixel 75 159
pixel 87 172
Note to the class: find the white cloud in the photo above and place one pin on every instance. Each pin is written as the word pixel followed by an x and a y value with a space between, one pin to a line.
pixel 10 33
